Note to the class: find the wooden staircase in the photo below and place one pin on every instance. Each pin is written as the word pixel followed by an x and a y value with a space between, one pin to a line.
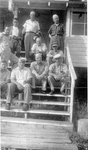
pixel 48 122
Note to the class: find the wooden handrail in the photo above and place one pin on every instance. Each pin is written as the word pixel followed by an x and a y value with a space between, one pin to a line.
pixel 73 78
pixel 70 65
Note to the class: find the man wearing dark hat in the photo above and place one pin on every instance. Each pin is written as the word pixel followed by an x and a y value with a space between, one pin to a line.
pixel 51 53
pixel 40 71
pixel 31 29
pixel 4 78
pixel 58 72
pixel 20 81
pixel 56 33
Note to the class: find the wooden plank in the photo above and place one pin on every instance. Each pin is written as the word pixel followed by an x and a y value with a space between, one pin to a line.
pixel 37 5
pixel 77 49
pixel 77 38
pixel 80 65
pixel 50 103
pixel 38 140
pixel 40 102
pixel 49 146
pixel 77 57
pixel 46 112
pixel 35 129
pixel 79 53
pixel 31 128
pixel 54 95
pixel 77 45
pixel 80 62
pixel 46 123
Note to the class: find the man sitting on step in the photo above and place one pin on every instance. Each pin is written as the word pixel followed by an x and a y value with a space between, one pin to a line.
pixel 4 78
pixel 58 72
pixel 52 52
pixel 21 78
pixel 39 47
pixel 40 71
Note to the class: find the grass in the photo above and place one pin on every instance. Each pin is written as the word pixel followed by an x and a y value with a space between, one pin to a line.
pixel 80 111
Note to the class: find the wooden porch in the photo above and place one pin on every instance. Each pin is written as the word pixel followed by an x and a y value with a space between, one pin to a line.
pixel 36 134
pixel 46 125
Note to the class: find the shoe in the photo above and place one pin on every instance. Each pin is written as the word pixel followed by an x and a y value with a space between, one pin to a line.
pixel 63 92
pixel 44 92
pixel 7 107
pixel 51 93
pixel 25 107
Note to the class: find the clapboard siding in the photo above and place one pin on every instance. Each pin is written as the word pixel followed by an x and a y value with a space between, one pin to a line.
pixel 78 50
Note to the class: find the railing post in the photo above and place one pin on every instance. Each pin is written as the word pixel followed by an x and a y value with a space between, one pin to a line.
pixel 72 97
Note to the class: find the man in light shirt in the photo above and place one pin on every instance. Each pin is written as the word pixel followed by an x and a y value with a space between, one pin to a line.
pixel 31 29
pixel 58 72
pixel 15 35
pixel 39 47
pixel 40 71
pixel 20 81
pixel 5 48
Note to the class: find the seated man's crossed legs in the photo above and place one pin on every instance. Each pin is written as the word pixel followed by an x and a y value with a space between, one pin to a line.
pixel 53 82
pixel 12 88
pixel 39 81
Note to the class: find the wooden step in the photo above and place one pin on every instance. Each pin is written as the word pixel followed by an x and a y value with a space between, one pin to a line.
pixel 50 103
pixel 35 134
pixel 40 102
pixel 54 95
pixel 51 124
pixel 50 112
pixel 44 112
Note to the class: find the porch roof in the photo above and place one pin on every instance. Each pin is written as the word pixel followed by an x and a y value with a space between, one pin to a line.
pixel 42 4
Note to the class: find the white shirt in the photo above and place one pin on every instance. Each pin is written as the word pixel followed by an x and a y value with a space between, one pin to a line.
pixel 36 48
pixel 15 31
pixel 32 26
pixel 21 75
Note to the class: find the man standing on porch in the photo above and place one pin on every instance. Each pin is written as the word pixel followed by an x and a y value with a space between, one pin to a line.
pixel 56 33
pixel 31 29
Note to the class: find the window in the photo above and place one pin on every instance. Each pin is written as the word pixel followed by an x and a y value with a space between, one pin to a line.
pixel 79 23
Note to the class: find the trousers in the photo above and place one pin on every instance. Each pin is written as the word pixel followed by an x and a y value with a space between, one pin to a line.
pixel 28 42
pixel 3 90
pixel 59 40
pixel 12 88
pixel 36 81
pixel 52 82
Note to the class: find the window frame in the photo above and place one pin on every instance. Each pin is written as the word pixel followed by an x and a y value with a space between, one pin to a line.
pixel 71 22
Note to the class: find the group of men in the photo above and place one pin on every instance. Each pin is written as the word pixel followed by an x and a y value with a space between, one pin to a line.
pixel 25 79
pixel 46 67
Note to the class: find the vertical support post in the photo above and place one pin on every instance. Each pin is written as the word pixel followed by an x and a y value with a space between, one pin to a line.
pixel 71 103
pixel 68 23
pixel 20 96
pixel 16 12
pixel 25 115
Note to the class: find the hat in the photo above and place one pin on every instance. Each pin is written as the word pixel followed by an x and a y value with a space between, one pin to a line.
pixel 22 59
pixel 60 54
pixel 55 44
